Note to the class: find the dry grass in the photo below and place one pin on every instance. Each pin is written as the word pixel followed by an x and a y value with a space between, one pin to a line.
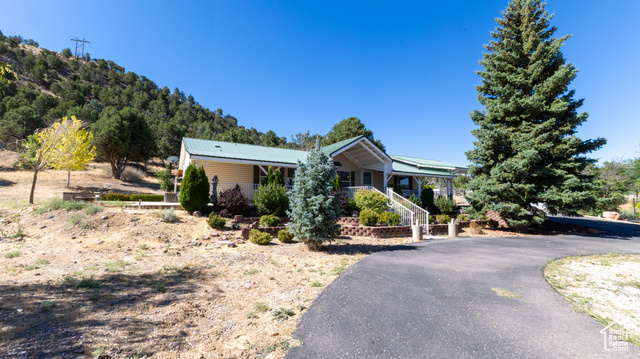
pixel 606 287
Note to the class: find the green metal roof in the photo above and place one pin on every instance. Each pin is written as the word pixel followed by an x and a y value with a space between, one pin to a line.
pixel 406 168
pixel 241 151
pixel 420 162
pixel 329 150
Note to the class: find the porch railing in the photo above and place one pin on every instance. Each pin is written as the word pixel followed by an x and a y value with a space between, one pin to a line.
pixel 353 190
pixel 421 217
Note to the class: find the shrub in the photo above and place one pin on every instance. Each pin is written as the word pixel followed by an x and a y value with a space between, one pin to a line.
pixel 164 176
pixel 372 200
pixel 272 198
pixel 226 214
pixel 132 174
pixel 115 197
pixel 443 218
pixel 388 218
pixel 462 217
pixel 415 200
pixel 92 208
pixel 168 215
pixel 368 217
pixel 233 200
pixel 194 190
pixel 475 228
pixel 397 189
pixel 426 196
pixel 431 219
pixel 146 197
pixel 314 210
pixel 342 199
pixel 215 221
pixel 445 205
pixel 493 224
pixel 269 221
pixel 259 237
pixel 273 177
pixel 284 236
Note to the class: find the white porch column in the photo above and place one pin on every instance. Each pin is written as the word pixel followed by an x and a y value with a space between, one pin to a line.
pixel 420 181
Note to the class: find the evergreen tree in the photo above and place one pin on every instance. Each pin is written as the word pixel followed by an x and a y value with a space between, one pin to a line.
pixel 527 151
pixel 194 189
pixel 349 128
pixel 314 211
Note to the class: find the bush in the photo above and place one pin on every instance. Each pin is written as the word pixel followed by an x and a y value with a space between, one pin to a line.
pixel 431 219
pixel 475 228
pixel 226 214
pixel 368 217
pixel 372 200
pixel 115 197
pixel 493 224
pixel 146 197
pixel 259 237
pixel 164 176
pixel 272 198
pixel 284 236
pixel 168 215
pixel 233 200
pixel 397 189
pixel 462 217
pixel 92 208
pixel 273 177
pixel 269 221
pixel 415 200
pixel 342 198
pixel 443 218
pixel 215 221
pixel 426 196
pixel 194 190
pixel 445 205
pixel 132 174
pixel 390 219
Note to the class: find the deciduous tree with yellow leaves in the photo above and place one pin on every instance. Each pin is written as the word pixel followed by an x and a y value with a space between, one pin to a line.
pixel 63 145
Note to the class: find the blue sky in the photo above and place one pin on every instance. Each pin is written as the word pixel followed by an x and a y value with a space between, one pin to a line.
pixel 406 69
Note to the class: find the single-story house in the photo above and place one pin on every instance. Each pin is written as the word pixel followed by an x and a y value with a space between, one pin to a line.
pixel 358 163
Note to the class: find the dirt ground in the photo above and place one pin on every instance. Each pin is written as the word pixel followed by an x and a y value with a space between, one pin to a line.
pixel 120 283
pixel 607 287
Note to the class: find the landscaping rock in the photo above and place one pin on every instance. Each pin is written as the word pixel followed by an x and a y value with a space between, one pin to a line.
pixel 214 234
pixel 237 218
pixel 205 237
pixel 254 225
pixel 245 232
pixel 611 215
pixel 135 219
pixel 239 241
pixel 197 214
pixel 105 217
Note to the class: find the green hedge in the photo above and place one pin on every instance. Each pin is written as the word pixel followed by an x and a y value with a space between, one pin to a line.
pixel 133 197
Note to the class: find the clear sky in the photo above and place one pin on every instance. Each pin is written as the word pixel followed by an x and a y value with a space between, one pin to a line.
pixel 406 69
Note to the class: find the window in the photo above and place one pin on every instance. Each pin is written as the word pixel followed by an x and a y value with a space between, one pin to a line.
pixel 403 181
pixel 347 178
pixel 367 179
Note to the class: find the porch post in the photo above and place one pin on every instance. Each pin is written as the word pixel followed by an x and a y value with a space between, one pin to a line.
pixel 420 181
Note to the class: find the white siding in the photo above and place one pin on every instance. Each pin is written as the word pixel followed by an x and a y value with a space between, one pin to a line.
pixel 228 171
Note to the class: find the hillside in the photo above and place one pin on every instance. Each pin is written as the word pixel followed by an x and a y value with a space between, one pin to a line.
pixel 51 85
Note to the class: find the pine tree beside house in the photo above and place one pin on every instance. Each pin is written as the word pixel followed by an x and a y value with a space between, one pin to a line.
pixel 194 189
pixel 527 151
pixel 313 209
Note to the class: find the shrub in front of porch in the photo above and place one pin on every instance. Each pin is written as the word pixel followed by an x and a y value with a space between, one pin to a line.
pixel 314 210
pixel 368 217
pixel 194 190
pixel 445 205
pixel 372 200
pixel 390 219
pixel 233 200
pixel 272 198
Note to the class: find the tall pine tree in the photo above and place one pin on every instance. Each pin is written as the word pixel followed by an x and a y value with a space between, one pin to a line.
pixel 527 151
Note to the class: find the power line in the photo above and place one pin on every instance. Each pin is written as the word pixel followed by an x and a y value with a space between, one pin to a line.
pixel 83 41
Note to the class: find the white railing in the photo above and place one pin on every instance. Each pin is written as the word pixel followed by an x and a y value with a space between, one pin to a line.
pixel 420 216
pixel 409 192
pixel 249 189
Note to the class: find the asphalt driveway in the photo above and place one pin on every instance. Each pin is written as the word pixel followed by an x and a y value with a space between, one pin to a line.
pixel 435 300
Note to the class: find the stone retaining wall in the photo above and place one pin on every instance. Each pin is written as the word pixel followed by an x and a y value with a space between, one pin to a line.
pixel 377 232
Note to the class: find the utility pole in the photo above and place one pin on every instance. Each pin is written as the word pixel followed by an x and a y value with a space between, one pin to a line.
pixel 83 41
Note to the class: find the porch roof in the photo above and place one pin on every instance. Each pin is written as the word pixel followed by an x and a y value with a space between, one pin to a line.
pixel 400 168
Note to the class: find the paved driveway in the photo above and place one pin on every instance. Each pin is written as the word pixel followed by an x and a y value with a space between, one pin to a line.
pixel 435 300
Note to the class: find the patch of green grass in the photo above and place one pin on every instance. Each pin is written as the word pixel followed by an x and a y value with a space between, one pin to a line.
pixel 261 307
pixel 506 294
pixel 283 344
pixel 317 284
pixel 42 261
pixel 339 270
pixel 216 273
pixel 98 353
pixel 159 286
pixel 92 208
pixel 48 305
pixel 282 313
pixel 75 219
pixel 632 283
pixel 32 267
pixel 19 233
pixel 143 246
pixel 251 314
pixel 83 283
pixel 117 266
pixel 11 270
pixel 12 254
pixel 252 272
